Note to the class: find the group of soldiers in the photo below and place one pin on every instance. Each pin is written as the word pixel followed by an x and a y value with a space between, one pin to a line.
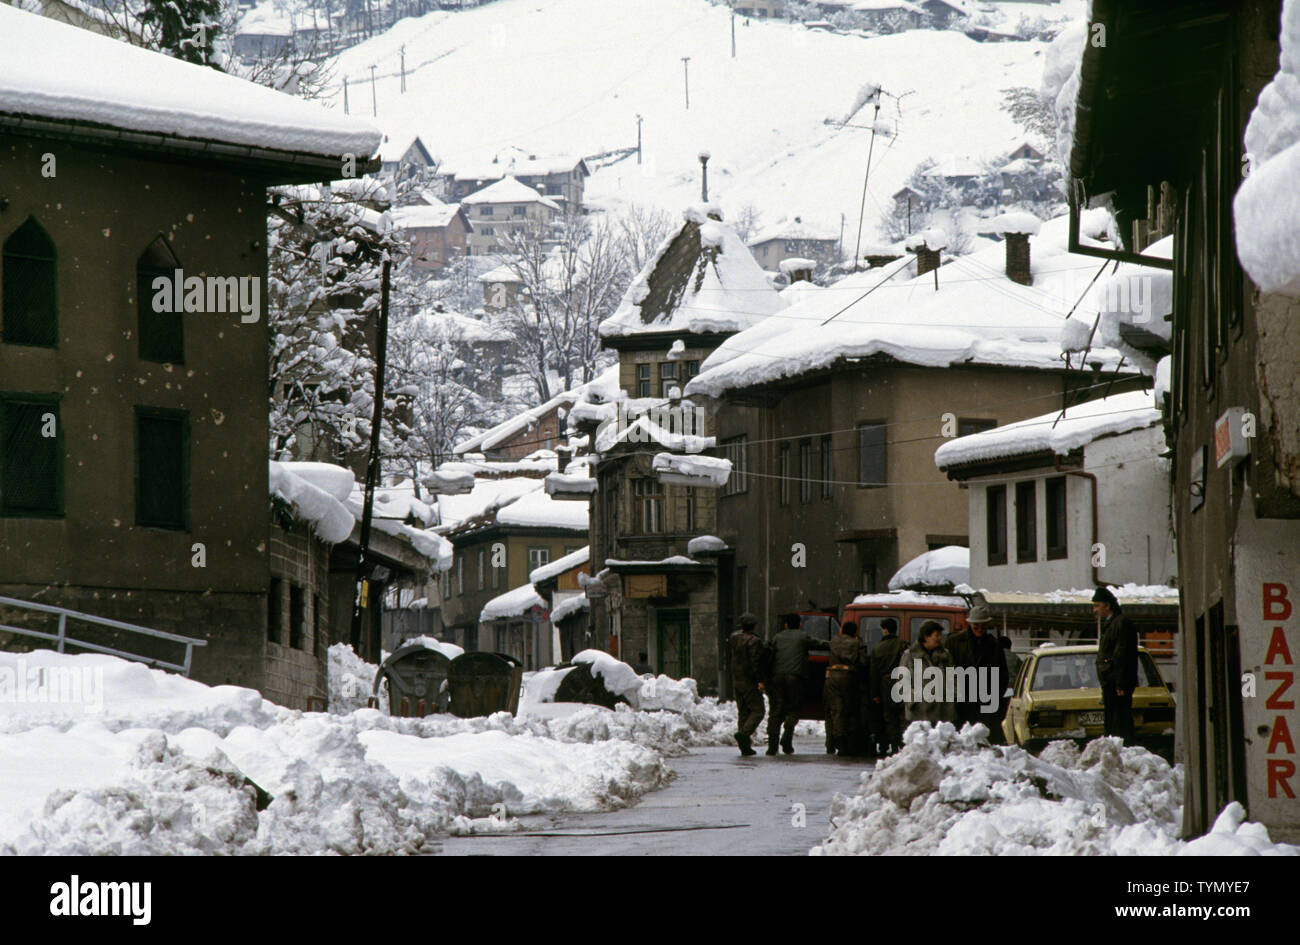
pixel 863 717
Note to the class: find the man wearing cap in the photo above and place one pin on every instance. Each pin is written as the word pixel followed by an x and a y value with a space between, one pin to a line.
pixel 976 647
pixel 747 682
pixel 1117 659
pixel 841 692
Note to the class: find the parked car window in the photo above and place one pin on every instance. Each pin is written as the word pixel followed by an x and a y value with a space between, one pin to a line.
pixel 1079 671
pixel 819 626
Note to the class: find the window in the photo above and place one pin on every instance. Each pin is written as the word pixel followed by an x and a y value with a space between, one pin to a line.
pixel 317 631
pixel 1027 521
pixel 734 450
pixel 496 573
pixel 1057 543
pixel 30 278
pixel 805 471
pixel 162 333
pixel 273 606
pixel 969 425
pixel 667 377
pixel 995 518
pixel 828 468
pixel 518 211
pixel 482 575
pixel 31 455
pixel 487 231
pixel 537 557
pixel 689 508
pixel 692 369
pixel 643 380
pixel 784 474
pixel 297 616
pixel 486 211
pixel 162 468
pixel 460 575
pixel 871 454
pixel 647 494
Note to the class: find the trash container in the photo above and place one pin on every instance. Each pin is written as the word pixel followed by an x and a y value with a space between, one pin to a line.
pixel 580 684
pixel 483 683
pixel 417 681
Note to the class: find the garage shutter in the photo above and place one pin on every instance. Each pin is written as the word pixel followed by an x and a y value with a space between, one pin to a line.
pixel 29 278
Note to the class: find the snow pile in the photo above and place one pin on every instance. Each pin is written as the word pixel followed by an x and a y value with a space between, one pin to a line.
pixel 449 650
pixel 1060 83
pixel 663 693
pixel 512 603
pixel 618 677
pixel 1016 221
pixel 943 567
pixel 351 680
pixel 701 544
pixel 696 469
pixel 1054 432
pixel 727 290
pixel 328 517
pixel 162 769
pixel 948 793
pixel 1267 206
pixel 565 484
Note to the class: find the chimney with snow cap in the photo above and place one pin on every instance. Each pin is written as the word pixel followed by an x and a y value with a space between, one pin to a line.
pixel 927 244
pixel 798 269
pixel 1016 228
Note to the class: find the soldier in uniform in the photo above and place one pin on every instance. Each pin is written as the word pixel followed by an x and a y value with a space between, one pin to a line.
pixel 789 670
pixel 746 681
pixel 841 693
pixel 884 657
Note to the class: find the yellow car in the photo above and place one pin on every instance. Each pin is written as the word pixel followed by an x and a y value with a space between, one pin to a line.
pixel 1056 695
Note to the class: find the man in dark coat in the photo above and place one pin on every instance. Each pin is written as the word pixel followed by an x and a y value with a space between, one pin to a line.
pixel 789 670
pixel 841 692
pixel 747 682
pixel 927 653
pixel 887 711
pixel 1117 664
pixel 976 647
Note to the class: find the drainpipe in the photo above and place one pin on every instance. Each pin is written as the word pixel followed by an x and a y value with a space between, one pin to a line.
pixel 1091 477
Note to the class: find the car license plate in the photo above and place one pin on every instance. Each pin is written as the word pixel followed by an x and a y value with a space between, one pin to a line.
pixel 1092 718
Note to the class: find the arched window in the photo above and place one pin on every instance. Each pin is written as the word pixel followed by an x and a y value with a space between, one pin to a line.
pixel 29 278
pixel 162 328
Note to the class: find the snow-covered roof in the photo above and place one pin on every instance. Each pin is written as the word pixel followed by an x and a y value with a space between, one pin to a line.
pixel 509 190
pixel 644 430
pixel 977 316
pixel 487 496
pixel 518 163
pixel 871 6
pixel 702 279
pixel 604 385
pixel 536 509
pixel 1267 206
pixel 953 165
pixel 910 599
pixel 424 215
pixel 573 559
pixel 1134 299
pixel 795 292
pixel 796 229
pixel 569 606
pixel 453 326
pixel 265 20
pixel 692 469
pixel 705 544
pixel 513 603
pixel 943 567
pixel 394 147
pixel 54 71
pixel 1053 432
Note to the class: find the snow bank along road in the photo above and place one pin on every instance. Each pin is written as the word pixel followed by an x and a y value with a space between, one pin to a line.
pixel 719 805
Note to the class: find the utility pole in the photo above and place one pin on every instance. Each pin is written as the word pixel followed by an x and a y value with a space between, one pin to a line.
pixel 374 99
pixel 345 95
pixel 638 139
pixel 403 52
pixel 686 75
pixel 862 210
pixel 704 176
pixel 362 599
pixel 733 29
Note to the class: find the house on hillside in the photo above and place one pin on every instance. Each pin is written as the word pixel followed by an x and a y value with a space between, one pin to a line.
pixel 263 33
pixel 405 155
pixel 655 493
pixel 505 209
pixel 562 178
pixel 1070 500
pixel 148 504
pixel 1170 109
pixel 437 232
pixel 829 412
pixel 797 239
pixel 88 16
pixel 760 9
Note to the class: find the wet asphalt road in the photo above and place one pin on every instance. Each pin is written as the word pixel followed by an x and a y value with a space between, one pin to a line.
pixel 718 805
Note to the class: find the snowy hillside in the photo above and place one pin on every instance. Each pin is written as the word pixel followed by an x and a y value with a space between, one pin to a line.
pixel 570 76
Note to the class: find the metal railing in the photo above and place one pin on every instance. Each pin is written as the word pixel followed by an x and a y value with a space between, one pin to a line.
pixel 63 640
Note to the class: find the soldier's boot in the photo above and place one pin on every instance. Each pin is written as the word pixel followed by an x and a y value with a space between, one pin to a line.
pixel 787 742
pixel 746 746
pixel 771 744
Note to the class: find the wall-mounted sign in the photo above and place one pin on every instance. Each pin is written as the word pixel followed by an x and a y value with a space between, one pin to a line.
pixel 646 585
pixel 1230 440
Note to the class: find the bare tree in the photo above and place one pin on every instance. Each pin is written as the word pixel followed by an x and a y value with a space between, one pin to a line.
pixel 642 230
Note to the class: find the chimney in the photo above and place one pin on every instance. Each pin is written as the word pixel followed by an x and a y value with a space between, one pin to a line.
pixel 798 269
pixel 1018 258
pixel 927 260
